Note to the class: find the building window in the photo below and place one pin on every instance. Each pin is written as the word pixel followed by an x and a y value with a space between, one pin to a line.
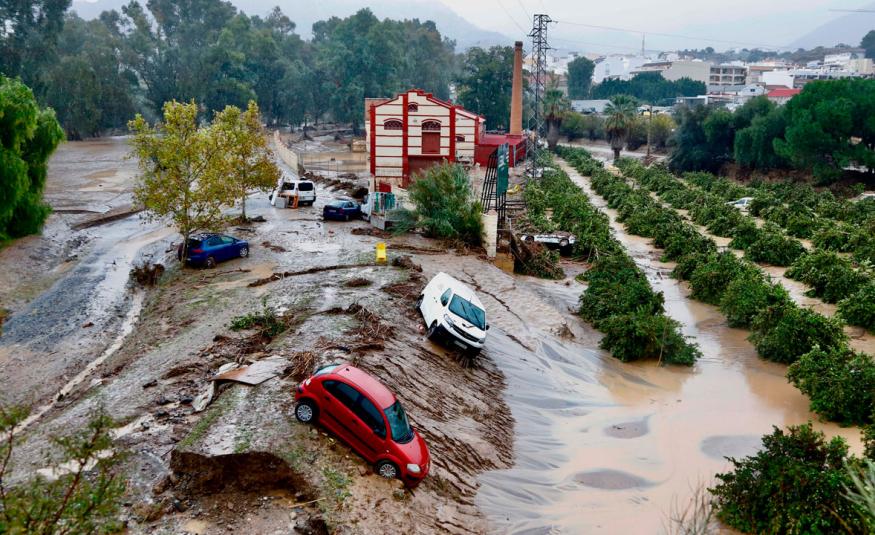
pixel 460 138
pixel 393 124
pixel 431 126
pixel 413 107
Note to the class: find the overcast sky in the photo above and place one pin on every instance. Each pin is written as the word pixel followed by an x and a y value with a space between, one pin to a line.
pixel 738 22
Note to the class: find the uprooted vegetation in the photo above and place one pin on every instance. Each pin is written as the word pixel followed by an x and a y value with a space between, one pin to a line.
pixel 268 323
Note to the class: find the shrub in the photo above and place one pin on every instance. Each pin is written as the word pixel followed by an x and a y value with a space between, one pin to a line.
pixel 794 484
pixel 687 265
pixel 773 247
pixel 643 335
pixel 746 233
pixel 543 263
pixel 830 276
pixel 833 237
pixel 839 382
pixel 616 286
pixel 785 332
pixel 445 204
pixel 710 279
pixel 267 321
pixel 801 225
pixel 747 295
pixel 859 308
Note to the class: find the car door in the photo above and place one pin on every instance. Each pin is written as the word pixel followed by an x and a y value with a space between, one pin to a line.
pixel 214 248
pixel 374 434
pixel 341 404
pixel 230 248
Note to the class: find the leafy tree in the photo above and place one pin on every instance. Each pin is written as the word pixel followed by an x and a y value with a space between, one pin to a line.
pixel 28 34
pixel 859 308
pixel 839 382
pixel 868 42
pixel 795 484
pixel 649 87
pixel 183 170
pixel 249 160
pixel 28 136
pixel 620 116
pixel 828 127
pixel 555 107
pixel 485 84
pixel 580 77
pixel 785 332
pixel 85 495
pixel 445 204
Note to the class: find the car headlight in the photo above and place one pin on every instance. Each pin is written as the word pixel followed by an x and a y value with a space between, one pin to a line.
pixel 307 382
pixel 448 319
pixel 413 468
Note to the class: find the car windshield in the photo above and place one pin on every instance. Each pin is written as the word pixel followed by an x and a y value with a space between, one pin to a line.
pixel 402 433
pixel 336 204
pixel 305 186
pixel 468 311
pixel 326 369
pixel 288 186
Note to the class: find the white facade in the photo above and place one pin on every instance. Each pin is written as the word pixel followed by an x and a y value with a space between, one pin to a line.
pixel 414 131
pixel 618 67
pixel 778 78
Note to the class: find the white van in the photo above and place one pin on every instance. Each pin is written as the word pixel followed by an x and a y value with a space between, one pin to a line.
pixel 305 190
pixel 452 310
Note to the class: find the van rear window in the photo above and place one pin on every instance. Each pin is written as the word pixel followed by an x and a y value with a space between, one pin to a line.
pixel 305 186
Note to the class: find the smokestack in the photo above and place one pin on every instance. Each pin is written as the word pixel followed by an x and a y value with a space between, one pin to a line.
pixel 516 96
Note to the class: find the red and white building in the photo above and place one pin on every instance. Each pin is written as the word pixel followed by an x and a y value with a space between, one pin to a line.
pixel 782 95
pixel 414 131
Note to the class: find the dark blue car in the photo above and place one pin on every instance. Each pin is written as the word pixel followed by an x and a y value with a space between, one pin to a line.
pixel 343 209
pixel 210 249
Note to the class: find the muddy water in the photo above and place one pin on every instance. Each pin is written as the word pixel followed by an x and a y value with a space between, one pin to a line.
pixel 608 447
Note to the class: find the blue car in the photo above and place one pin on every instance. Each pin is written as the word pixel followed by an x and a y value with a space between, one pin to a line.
pixel 209 249
pixel 343 209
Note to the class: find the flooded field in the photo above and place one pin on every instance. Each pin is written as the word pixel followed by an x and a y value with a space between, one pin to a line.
pixel 547 434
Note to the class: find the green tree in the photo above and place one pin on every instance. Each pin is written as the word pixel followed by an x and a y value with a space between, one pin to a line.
pixel 249 160
pixel 580 77
pixel 183 170
pixel 829 127
pixel 28 136
pixel 28 35
pixel 650 87
pixel 83 496
pixel 485 84
pixel 445 204
pixel 556 105
pixel 620 117
pixel 868 42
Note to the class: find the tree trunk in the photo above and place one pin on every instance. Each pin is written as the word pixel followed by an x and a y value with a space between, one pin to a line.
pixel 616 154
pixel 243 205
pixel 552 134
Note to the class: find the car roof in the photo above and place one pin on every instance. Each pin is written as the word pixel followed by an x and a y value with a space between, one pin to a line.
pixel 203 235
pixel 459 288
pixel 367 383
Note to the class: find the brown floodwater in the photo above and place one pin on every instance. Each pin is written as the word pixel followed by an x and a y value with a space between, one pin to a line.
pixel 603 446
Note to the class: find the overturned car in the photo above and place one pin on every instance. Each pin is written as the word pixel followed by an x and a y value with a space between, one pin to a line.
pixel 561 241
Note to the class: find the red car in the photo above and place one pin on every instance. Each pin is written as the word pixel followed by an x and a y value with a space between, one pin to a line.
pixel 361 411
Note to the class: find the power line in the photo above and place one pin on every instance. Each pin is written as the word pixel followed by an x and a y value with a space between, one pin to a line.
pixel 506 12
pixel 525 12
pixel 706 39
pixel 592 43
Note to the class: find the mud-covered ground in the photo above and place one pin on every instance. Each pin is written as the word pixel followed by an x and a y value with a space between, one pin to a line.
pixel 544 434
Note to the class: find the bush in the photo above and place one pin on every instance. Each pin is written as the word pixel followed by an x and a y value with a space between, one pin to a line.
pixel 445 204
pixel 643 335
pixel 795 484
pixel 859 308
pixel 543 263
pixel 267 321
pixel 746 233
pixel 831 277
pixel 616 286
pixel 710 279
pixel 833 237
pixel 773 247
pixel 839 382
pixel 747 295
pixel 785 332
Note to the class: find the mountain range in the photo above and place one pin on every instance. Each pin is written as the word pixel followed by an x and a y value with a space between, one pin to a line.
pixel 848 29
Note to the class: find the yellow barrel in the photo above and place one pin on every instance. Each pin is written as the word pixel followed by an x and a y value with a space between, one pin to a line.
pixel 381 252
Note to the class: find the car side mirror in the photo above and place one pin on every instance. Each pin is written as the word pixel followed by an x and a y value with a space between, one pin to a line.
pixel 487 326
pixel 444 301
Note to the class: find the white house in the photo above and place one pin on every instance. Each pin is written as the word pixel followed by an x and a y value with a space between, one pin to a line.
pixel 414 131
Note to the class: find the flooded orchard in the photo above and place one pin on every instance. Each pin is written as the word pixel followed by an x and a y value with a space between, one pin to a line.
pixel 547 434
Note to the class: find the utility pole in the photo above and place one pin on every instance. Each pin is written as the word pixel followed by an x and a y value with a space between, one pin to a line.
pixel 539 81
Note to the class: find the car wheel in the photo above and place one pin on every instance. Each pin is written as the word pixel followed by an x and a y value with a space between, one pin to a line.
pixel 433 330
pixel 306 411
pixel 210 263
pixel 563 243
pixel 386 469
pixel 244 251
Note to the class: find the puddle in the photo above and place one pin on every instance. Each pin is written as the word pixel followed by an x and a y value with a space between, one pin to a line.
pixel 611 480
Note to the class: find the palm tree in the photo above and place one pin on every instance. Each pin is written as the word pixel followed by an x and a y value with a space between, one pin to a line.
pixel 620 117
pixel 556 105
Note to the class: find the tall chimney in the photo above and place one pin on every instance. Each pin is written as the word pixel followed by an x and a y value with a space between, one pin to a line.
pixel 516 95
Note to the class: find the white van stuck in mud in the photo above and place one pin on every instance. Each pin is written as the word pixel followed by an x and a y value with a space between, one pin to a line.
pixel 304 190
pixel 451 310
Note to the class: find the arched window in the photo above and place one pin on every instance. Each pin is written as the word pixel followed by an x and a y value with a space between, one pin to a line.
pixel 460 138
pixel 431 126
pixel 393 124
pixel 413 106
